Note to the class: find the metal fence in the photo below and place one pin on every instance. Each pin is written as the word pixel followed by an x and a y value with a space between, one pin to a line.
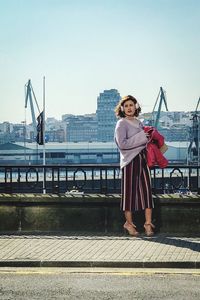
pixel 92 178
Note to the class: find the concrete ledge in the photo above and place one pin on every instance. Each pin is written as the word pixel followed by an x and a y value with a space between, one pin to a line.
pixel 94 213
pixel 89 198
pixel 61 199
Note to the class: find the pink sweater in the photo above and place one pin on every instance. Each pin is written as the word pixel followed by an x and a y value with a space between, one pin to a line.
pixel 130 139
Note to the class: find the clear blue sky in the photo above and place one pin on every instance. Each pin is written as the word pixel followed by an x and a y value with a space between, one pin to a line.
pixel 85 46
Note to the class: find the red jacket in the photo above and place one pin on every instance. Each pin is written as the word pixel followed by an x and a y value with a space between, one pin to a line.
pixel 156 141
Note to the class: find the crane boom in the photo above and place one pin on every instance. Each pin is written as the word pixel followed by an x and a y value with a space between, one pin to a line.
pixel 162 96
pixel 29 93
pixel 196 110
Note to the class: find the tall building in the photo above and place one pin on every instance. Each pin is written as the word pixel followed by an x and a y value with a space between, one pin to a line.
pixel 106 119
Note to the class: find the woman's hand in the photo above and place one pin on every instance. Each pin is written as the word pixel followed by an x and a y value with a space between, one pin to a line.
pixel 147 135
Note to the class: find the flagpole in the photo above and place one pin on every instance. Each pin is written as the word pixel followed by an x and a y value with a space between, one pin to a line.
pixel 44 154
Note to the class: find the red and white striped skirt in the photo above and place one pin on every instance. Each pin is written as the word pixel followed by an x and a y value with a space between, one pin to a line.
pixel 136 185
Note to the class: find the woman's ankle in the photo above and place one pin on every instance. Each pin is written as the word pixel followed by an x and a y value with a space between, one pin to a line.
pixel 148 222
pixel 128 223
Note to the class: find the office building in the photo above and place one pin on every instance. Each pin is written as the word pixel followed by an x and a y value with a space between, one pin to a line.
pixel 106 119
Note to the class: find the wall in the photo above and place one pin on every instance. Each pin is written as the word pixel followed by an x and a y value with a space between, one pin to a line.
pixel 93 213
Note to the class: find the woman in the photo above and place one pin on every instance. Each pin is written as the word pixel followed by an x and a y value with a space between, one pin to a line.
pixel 136 182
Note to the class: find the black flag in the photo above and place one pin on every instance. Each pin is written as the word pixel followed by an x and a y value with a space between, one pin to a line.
pixel 40 127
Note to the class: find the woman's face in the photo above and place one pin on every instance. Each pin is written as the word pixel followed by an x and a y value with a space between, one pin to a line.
pixel 129 108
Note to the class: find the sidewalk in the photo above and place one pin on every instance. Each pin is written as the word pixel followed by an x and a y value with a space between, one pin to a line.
pixel 40 250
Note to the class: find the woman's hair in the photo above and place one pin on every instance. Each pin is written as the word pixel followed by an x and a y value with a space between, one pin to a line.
pixel 119 108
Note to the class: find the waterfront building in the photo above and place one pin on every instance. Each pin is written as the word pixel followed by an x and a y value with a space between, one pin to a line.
pixel 77 153
pixel 174 126
pixel 55 131
pixel 66 117
pixel 81 128
pixel 106 119
pixel 5 127
pixel 175 133
pixel 5 132
pixel 55 135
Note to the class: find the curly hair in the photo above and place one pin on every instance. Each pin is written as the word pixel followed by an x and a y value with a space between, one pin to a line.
pixel 118 109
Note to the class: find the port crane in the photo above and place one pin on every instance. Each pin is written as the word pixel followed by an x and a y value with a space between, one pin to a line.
pixel 30 96
pixel 193 149
pixel 162 99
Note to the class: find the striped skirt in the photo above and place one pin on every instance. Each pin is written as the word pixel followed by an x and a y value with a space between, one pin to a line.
pixel 136 185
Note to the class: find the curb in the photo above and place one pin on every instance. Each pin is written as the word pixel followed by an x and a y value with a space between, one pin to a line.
pixel 102 264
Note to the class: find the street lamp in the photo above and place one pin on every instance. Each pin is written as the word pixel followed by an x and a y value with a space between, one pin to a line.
pixel 198 159
pixel 24 136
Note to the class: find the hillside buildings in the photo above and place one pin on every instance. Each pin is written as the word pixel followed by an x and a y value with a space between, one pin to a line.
pixel 96 127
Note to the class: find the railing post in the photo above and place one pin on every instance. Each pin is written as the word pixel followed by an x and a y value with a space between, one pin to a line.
pixel 8 185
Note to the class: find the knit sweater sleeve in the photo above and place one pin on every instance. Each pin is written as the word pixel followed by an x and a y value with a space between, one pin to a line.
pixel 126 143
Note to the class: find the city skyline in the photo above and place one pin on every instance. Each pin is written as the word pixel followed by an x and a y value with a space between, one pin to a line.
pixel 59 119
pixel 85 47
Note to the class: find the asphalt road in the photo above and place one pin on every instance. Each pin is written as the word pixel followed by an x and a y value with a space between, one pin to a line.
pixel 126 284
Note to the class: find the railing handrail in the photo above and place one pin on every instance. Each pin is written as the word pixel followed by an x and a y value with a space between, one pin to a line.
pixel 185 166
pixel 94 177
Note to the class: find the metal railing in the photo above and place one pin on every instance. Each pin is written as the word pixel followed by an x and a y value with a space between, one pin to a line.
pixel 92 178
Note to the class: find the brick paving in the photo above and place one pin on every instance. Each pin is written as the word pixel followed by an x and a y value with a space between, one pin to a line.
pixel 99 251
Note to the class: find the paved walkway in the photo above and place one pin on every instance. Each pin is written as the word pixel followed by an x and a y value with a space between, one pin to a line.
pixel 160 251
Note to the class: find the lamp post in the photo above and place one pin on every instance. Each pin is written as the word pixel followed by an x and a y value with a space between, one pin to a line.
pixel 198 159
pixel 198 143
pixel 24 136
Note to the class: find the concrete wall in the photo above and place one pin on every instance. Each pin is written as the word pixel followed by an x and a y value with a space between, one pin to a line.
pixel 93 213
